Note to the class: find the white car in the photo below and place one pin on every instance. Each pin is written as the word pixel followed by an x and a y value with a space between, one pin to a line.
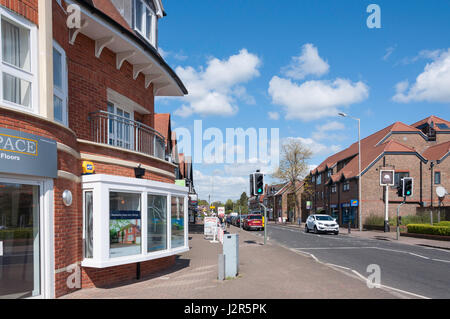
pixel 321 223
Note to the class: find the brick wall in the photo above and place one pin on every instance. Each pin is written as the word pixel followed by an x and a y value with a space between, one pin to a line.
pixel 26 8
pixel 93 277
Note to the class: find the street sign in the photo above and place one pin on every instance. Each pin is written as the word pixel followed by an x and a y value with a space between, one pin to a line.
pixel 387 177
pixel 354 203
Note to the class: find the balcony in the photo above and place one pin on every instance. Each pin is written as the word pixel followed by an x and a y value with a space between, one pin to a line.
pixel 112 129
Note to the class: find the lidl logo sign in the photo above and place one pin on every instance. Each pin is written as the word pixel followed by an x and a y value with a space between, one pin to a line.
pixel 354 203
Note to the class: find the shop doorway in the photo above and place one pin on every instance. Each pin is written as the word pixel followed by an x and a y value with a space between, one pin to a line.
pixel 20 244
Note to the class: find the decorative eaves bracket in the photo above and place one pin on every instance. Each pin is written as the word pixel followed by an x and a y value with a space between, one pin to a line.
pixel 73 33
pixel 151 78
pixel 138 68
pixel 160 87
pixel 100 44
pixel 122 56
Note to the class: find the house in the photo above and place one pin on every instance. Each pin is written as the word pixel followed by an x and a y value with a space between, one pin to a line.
pixel 419 150
pixel 82 146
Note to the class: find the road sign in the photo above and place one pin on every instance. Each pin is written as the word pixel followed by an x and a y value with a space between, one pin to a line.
pixel 387 177
pixel 308 204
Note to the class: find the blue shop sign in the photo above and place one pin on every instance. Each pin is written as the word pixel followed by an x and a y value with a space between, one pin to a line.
pixel 354 203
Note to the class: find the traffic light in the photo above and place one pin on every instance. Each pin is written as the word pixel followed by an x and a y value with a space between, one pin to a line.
pixel 407 186
pixel 259 183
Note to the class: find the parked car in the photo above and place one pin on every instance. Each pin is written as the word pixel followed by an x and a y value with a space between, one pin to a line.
pixel 253 221
pixel 321 223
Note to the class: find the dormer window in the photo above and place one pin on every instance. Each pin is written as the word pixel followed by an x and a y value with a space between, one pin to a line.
pixel 144 19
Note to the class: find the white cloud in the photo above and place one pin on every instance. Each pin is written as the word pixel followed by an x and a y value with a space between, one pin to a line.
pixel 317 149
pixel 274 115
pixel 388 53
pixel 432 85
pixel 214 90
pixel 324 131
pixel 219 187
pixel 315 99
pixel 308 62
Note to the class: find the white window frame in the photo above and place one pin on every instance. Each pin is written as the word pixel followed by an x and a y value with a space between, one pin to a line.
pixel 102 185
pixel 152 39
pixel 30 76
pixel 63 92
pixel 131 132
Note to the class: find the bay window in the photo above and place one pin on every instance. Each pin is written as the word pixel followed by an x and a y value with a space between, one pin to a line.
pixel 18 63
pixel 130 220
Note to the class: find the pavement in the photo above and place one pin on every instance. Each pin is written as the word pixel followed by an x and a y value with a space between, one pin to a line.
pixel 390 236
pixel 265 272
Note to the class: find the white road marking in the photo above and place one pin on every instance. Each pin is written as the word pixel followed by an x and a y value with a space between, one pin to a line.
pixel 419 256
pixel 391 288
pixel 333 248
pixel 444 261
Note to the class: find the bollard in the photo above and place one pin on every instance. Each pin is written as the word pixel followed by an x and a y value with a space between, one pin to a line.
pixel 231 252
pixel 349 227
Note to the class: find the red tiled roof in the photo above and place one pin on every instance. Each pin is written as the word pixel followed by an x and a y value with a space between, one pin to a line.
pixel 437 152
pixel 162 125
pixel 110 10
pixel 435 120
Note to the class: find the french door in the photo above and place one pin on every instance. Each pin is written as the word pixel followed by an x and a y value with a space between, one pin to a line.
pixel 20 239
pixel 120 127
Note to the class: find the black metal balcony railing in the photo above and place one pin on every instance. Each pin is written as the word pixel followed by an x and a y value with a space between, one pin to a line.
pixel 112 129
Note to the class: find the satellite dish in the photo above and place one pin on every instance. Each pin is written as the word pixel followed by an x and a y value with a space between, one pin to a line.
pixel 441 192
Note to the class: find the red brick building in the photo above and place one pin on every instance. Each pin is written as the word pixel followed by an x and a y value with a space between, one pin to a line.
pixel 79 86
pixel 419 151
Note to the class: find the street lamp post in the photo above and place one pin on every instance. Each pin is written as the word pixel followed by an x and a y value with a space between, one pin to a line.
pixel 359 167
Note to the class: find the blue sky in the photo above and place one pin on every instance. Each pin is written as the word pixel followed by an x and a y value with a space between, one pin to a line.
pixel 293 65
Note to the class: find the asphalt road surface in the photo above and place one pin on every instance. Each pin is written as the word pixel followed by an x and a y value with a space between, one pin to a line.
pixel 415 270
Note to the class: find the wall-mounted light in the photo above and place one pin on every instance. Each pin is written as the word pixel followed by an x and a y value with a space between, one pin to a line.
pixel 139 171
pixel 67 197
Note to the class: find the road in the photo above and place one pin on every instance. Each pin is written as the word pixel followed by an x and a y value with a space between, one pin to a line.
pixel 415 270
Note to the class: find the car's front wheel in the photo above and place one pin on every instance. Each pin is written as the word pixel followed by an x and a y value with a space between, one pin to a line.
pixel 306 228
pixel 336 233
pixel 315 230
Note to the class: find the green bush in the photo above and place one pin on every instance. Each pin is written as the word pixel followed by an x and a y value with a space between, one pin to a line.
pixel 428 229
pixel 445 223
pixel 374 220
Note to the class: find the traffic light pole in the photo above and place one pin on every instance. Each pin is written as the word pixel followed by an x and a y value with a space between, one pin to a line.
pixel 398 217
pixel 386 213
pixel 265 222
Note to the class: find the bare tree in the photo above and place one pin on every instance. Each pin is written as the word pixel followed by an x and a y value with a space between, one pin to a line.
pixel 293 167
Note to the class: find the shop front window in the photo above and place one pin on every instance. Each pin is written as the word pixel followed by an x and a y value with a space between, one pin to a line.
pixel 156 223
pixel 177 220
pixel 124 224
pixel 19 241
pixel 89 224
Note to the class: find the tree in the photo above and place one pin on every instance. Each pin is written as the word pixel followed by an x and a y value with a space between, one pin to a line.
pixel 229 205
pixel 293 167
pixel 243 203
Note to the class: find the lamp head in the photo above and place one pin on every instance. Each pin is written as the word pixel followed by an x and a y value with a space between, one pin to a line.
pixel 342 114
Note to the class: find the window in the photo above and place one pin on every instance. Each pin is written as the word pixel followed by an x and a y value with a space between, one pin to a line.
pixel 143 19
pixel 124 224
pixel 177 221
pixel 156 223
pixel 59 85
pixel 346 186
pixel 437 177
pixel 17 65
pixel 398 177
pixel 333 188
pixel 319 179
